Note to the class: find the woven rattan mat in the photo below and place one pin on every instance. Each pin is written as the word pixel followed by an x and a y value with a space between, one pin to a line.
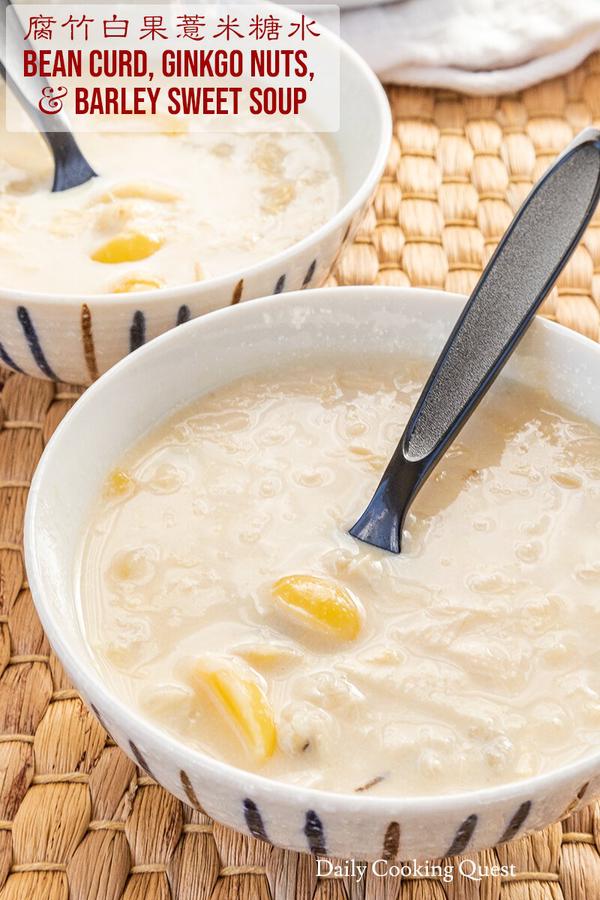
pixel 77 820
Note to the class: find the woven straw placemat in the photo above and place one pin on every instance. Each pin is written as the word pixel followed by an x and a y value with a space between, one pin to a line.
pixel 78 821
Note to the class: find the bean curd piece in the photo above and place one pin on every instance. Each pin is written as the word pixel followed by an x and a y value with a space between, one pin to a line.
pixel 68 224
pixel 235 689
pixel 321 604
pixel 268 656
pixel 138 190
pixel 114 218
pixel 567 480
pixel 9 214
pixel 374 461
pixel 277 197
pixel 222 150
pixel 134 283
pixel 127 248
pixel 164 479
pixel 269 157
pixel 133 567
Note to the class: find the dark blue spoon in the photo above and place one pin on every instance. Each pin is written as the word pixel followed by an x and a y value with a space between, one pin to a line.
pixel 518 277
pixel 71 168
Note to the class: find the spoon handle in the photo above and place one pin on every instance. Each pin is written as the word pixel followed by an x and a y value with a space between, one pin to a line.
pixel 70 166
pixel 28 90
pixel 516 280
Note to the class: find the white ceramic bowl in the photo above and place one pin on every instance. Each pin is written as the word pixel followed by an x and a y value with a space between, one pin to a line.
pixel 173 371
pixel 73 338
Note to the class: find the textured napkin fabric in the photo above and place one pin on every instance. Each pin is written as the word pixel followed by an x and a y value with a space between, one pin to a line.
pixel 477 46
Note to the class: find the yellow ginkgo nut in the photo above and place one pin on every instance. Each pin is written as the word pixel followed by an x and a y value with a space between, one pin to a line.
pixel 127 248
pixel 234 688
pixel 137 190
pixel 320 603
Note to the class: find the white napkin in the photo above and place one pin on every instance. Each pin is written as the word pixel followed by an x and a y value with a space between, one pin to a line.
pixel 477 46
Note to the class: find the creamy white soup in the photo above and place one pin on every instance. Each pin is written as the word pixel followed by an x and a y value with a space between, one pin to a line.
pixel 169 207
pixel 222 596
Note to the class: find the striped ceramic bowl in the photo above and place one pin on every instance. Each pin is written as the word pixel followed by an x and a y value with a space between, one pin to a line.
pixel 76 338
pixel 174 370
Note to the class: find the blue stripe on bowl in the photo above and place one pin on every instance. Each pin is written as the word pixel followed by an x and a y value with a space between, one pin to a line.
pixel 309 273
pixel 98 716
pixel 9 361
pixel 254 820
pixel 279 285
pixel 183 314
pixel 139 758
pixel 315 833
pixel 137 331
pixel 516 822
pixel 34 343
pixel 462 836
pixel 391 841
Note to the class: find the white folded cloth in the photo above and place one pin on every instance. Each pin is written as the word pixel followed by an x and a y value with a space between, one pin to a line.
pixel 476 46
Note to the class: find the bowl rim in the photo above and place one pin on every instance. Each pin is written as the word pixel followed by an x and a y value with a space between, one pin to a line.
pixel 168 744
pixel 354 202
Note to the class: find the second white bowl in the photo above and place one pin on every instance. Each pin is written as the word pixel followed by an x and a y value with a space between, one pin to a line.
pixel 74 338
